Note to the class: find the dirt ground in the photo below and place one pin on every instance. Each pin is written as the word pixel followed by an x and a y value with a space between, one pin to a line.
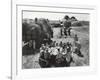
pixel 31 61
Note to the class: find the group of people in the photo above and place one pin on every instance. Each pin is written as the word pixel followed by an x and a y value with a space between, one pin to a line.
pixel 59 54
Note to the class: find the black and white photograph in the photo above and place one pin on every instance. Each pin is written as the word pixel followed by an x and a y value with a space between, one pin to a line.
pixel 55 39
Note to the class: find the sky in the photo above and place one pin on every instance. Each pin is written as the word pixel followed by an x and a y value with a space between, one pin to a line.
pixel 54 16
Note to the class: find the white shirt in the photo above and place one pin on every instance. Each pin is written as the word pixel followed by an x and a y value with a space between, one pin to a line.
pixel 55 51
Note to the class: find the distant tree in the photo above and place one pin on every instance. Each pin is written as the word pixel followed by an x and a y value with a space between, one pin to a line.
pixel 48 20
pixel 67 22
pixel 66 17
pixel 73 18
